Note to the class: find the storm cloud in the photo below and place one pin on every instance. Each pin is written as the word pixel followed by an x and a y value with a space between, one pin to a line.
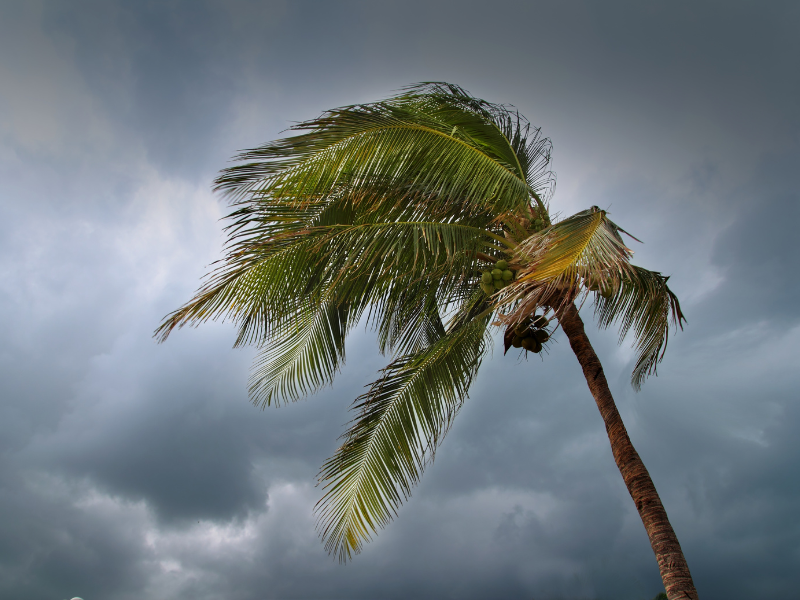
pixel 130 469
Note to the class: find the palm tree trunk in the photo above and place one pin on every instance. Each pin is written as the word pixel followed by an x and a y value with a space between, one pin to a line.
pixel 671 562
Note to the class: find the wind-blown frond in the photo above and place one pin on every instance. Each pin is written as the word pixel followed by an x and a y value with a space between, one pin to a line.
pixel 259 287
pixel 644 304
pixel 410 319
pixel 520 144
pixel 305 356
pixel 402 419
pixel 439 142
pixel 295 296
pixel 251 289
pixel 585 249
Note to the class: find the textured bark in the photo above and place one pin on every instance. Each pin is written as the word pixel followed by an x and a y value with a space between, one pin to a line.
pixel 671 562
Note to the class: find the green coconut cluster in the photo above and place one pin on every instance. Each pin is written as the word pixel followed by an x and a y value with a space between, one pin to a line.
pixel 497 278
pixel 538 223
pixel 531 334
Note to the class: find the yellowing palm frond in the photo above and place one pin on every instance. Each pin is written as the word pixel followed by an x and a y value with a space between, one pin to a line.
pixel 586 253
pixel 583 249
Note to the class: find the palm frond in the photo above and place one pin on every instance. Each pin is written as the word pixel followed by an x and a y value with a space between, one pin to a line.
pixel 409 319
pixel 303 356
pixel 441 142
pixel 644 304
pixel 251 289
pixel 585 249
pixel 401 420
pixel 511 137
pixel 259 285
pixel 298 298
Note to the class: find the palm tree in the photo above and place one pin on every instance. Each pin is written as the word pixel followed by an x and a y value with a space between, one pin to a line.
pixel 427 216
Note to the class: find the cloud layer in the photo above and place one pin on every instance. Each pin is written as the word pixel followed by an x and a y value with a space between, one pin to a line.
pixel 130 469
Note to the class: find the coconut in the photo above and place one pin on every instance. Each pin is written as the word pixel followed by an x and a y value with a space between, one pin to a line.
pixel 606 293
pixel 486 277
pixel 487 288
pixel 507 275
pixel 538 223
pixel 541 336
pixel 531 344
pixel 540 321
pixel 516 341
pixel 497 274
pixel 498 284
pixel 501 264
pixel 523 326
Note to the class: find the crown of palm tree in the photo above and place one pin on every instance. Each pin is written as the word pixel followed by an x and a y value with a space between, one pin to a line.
pixel 389 212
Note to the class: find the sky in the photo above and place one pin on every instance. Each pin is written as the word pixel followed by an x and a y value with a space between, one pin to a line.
pixel 131 469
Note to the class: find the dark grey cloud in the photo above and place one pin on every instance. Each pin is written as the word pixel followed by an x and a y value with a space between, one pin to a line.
pixel 757 252
pixel 129 469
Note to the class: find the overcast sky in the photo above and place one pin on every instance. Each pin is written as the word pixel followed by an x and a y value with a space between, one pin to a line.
pixel 130 469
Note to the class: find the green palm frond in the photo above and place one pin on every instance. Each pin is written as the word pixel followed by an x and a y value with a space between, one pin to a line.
pixel 295 296
pixel 435 141
pixel 304 356
pixel 410 319
pixel 586 252
pixel 644 304
pixel 250 288
pixel 402 419
pixel 259 286
pixel 510 136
